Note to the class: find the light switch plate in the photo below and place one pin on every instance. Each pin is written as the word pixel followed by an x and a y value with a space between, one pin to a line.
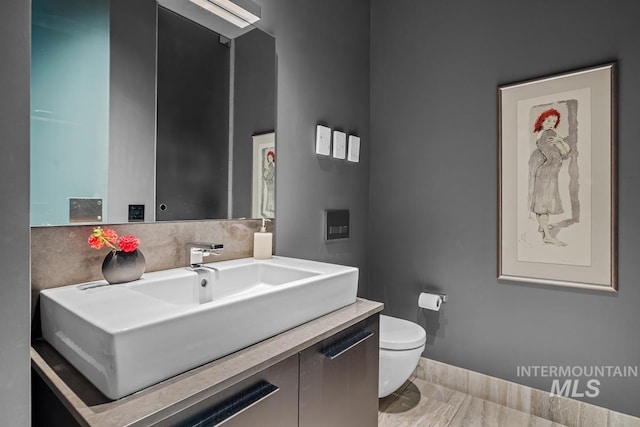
pixel 323 140
pixel 353 154
pixel 337 224
pixel 339 144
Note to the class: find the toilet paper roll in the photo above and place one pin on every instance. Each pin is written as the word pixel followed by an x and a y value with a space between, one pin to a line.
pixel 429 301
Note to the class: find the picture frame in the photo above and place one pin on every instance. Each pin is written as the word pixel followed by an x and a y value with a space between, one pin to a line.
pixel 557 161
pixel 263 176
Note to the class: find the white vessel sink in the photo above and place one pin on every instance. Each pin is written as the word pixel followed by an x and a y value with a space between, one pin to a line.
pixel 126 337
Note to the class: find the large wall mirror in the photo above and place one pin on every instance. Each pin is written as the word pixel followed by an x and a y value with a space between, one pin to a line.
pixel 149 110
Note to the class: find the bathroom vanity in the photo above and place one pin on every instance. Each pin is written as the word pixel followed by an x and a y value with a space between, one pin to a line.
pixel 323 372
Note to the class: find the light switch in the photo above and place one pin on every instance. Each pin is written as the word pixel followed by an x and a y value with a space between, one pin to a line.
pixel 136 213
pixel 339 144
pixel 353 154
pixel 323 140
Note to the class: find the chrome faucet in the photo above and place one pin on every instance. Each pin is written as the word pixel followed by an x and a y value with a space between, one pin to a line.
pixel 196 251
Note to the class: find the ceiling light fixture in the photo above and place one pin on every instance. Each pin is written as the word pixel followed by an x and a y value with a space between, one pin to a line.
pixel 231 11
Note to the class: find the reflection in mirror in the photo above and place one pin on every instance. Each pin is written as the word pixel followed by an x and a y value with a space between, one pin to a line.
pixel 70 108
pixel 100 153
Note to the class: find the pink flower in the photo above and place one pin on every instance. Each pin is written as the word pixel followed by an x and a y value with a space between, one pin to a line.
pixel 95 242
pixel 107 237
pixel 128 243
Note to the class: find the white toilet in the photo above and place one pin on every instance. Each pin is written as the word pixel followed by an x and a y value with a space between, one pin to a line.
pixel 401 344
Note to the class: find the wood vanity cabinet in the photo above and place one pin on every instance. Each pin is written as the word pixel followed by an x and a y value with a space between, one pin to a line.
pixel 333 383
pixel 339 378
pixel 268 398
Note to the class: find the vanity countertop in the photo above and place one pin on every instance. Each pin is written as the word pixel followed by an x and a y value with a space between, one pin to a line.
pixel 145 407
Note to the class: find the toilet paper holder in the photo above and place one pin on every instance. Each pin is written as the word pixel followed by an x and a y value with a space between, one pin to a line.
pixel 431 301
pixel 443 297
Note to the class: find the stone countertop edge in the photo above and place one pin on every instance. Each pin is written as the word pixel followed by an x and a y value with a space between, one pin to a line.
pixel 160 401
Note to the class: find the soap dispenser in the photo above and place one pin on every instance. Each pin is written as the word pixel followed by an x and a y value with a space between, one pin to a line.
pixel 262 242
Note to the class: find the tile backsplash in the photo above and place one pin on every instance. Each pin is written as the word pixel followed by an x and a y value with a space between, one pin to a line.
pixel 61 255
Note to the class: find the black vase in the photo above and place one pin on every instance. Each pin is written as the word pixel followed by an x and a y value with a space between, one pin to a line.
pixel 121 266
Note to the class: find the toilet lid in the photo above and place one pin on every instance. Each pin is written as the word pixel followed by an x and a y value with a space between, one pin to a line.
pixel 400 334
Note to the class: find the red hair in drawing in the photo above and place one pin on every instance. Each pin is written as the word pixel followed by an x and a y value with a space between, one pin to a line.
pixel 550 112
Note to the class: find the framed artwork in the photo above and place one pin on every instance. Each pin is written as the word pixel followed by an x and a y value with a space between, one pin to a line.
pixel 557 180
pixel 264 176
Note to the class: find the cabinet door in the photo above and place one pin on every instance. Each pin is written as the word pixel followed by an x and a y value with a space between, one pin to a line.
pixel 266 399
pixel 339 378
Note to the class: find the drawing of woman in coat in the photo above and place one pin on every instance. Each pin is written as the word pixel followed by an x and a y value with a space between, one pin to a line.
pixel 269 181
pixel 544 166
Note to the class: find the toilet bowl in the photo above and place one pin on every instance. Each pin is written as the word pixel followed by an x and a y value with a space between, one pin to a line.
pixel 401 345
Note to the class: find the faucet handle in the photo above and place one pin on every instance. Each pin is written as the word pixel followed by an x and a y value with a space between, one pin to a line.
pixel 195 256
pixel 204 245
pixel 196 251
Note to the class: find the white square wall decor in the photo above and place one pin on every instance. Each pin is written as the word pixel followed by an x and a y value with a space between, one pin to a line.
pixel 323 140
pixel 339 145
pixel 353 154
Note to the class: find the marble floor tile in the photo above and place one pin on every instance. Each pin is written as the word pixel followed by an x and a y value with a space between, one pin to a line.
pixel 421 404
pixel 476 412
pixel 384 402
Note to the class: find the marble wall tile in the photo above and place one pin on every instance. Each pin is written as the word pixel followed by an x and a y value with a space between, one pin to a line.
pixel 555 408
pixel 488 388
pixel 519 397
pixel 441 373
pixel 617 419
pixel 540 403
pixel 61 255
pixel 593 416
pixel 565 411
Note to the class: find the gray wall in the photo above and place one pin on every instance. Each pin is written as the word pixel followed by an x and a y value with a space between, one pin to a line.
pixel 323 77
pixel 15 40
pixel 435 69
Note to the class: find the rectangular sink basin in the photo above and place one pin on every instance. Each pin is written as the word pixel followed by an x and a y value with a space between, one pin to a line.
pixel 126 337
